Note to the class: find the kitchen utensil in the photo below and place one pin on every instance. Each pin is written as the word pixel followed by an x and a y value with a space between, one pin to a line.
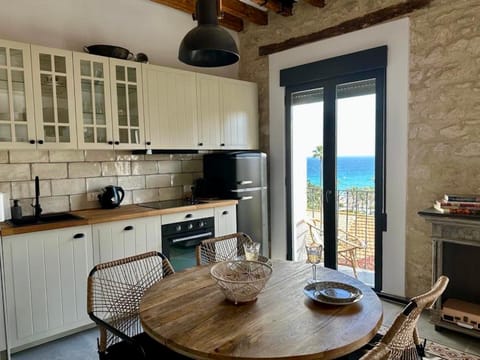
pixel 109 51
pixel 111 197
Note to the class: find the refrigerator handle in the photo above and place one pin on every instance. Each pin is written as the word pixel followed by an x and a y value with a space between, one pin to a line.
pixel 245 182
pixel 246 198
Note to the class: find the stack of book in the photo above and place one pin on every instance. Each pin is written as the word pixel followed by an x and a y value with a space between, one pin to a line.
pixel 458 204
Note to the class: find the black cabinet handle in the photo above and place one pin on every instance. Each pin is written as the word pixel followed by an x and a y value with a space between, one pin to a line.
pixel 79 236
pixel 110 142
pixel 200 144
pixel 188 216
pixel 32 141
pixel 128 228
pixel 225 212
pixel 148 143
pixel 222 144
pixel 117 142
pixel 40 142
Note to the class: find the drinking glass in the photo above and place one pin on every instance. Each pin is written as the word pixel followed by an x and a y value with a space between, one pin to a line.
pixel 314 255
pixel 251 251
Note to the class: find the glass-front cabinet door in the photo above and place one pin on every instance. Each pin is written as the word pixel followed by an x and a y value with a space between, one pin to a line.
pixel 92 100
pixel 54 98
pixel 127 104
pixel 17 123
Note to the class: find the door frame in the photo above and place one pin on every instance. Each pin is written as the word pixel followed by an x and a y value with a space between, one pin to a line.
pixel 329 73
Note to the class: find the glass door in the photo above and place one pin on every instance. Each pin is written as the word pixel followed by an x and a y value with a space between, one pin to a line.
pixel 17 128
pixel 94 116
pixel 54 98
pixel 335 151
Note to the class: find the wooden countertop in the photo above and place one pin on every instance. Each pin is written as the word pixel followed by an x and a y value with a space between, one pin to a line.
pixel 96 216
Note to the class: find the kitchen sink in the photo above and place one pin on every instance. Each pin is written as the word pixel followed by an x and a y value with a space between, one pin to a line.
pixel 44 219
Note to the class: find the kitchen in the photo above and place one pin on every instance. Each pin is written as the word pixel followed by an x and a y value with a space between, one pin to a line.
pixel 71 179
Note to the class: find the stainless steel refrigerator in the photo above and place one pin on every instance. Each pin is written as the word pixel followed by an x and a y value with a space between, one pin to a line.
pixel 241 175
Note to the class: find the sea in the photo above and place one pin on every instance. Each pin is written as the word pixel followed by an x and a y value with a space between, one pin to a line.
pixel 352 172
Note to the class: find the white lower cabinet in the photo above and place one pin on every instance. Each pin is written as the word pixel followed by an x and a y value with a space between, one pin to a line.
pixel 46 283
pixel 225 220
pixel 119 239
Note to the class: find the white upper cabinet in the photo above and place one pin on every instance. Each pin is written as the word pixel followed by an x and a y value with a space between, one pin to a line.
pixel 209 114
pixel 17 122
pixel 170 108
pixel 227 113
pixel 127 104
pixel 54 98
pixel 239 104
pixel 92 100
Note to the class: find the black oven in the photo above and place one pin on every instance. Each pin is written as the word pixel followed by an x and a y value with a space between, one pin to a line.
pixel 180 239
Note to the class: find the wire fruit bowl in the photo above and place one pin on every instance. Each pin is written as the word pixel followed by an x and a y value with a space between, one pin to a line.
pixel 241 280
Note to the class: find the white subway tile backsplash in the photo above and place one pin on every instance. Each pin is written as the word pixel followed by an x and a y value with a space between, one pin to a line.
pixel 68 186
pixel 99 155
pixel 158 181
pixel 3 157
pixel 80 202
pixel 158 157
pixel 169 167
pixel 116 168
pixel 131 182
pixel 171 193
pixel 67 155
pixel 28 156
pixel 98 183
pixel 128 156
pixel 54 204
pixel 144 167
pixel 14 172
pixel 84 169
pixel 182 179
pixel 141 196
pixel 192 166
pixel 26 189
pixel 49 171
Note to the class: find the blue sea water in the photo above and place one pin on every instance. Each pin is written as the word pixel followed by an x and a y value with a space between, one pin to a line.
pixel 352 171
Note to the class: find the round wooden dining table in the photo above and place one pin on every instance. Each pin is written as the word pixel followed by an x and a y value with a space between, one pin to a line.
pixel 188 313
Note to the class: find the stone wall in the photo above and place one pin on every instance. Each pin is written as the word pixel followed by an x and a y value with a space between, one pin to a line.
pixel 444 110
pixel 70 180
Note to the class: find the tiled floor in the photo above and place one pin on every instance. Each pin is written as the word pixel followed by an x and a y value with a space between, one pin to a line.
pixel 82 346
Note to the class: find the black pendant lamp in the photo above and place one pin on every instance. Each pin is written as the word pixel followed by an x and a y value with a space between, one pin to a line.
pixel 208 45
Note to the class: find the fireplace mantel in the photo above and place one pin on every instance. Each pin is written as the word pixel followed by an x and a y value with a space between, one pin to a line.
pixel 456 250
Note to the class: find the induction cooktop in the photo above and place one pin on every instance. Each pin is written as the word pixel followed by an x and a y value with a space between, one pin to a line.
pixel 167 204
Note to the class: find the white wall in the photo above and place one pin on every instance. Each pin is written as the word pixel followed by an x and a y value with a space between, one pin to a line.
pixel 138 25
pixel 396 36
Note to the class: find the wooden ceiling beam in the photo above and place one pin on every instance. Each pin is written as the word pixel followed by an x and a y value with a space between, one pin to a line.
pixel 245 12
pixel 282 7
pixel 317 3
pixel 229 21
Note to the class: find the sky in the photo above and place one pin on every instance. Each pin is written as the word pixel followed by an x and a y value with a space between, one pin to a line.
pixel 355 126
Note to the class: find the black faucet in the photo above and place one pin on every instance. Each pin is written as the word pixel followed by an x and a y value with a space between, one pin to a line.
pixel 37 209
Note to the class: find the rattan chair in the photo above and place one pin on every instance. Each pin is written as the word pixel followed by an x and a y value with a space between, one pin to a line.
pixel 114 292
pixel 221 248
pixel 401 340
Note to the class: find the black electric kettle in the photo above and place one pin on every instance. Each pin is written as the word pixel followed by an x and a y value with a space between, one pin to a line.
pixel 111 197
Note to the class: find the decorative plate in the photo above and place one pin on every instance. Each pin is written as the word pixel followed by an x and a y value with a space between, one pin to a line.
pixel 333 293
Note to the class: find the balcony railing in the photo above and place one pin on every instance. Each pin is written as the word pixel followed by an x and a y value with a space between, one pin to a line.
pixel 355 220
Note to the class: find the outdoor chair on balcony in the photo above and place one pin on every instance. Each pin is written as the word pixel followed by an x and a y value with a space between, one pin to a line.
pixel 401 340
pixel 114 292
pixel 221 248
pixel 347 243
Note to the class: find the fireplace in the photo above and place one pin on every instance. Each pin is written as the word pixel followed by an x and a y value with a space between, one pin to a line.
pixel 456 254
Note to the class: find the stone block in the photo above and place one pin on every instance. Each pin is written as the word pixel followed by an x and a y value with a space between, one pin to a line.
pixel 84 169
pixel 98 183
pixel 158 181
pixel 26 189
pixel 192 166
pixel 169 167
pixel 67 155
pixel 171 193
pixel 115 168
pixel 28 156
pixel 49 171
pixel 144 167
pixel 68 186
pixel 14 172
pixel 146 195
pixel 131 182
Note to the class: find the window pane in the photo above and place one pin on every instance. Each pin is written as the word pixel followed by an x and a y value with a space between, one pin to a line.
pixel 101 135
pixel 60 64
pixel 45 62
pixel 62 102
pixel 122 105
pixel 5 133
pixel 16 58
pixel 120 73
pixel 47 98
pixel 132 74
pixel 98 70
pixel 18 86
pixel 99 102
pixel 21 133
pixel 4 96
pixel 134 136
pixel 49 132
pixel 88 136
pixel 87 106
pixel 123 136
pixel 85 68
pixel 133 105
pixel 3 56
pixel 64 134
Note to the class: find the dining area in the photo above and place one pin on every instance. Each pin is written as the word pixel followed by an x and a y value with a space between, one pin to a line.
pixel 228 307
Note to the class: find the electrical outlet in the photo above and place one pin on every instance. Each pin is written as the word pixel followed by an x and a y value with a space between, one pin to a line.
pixel 92 196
